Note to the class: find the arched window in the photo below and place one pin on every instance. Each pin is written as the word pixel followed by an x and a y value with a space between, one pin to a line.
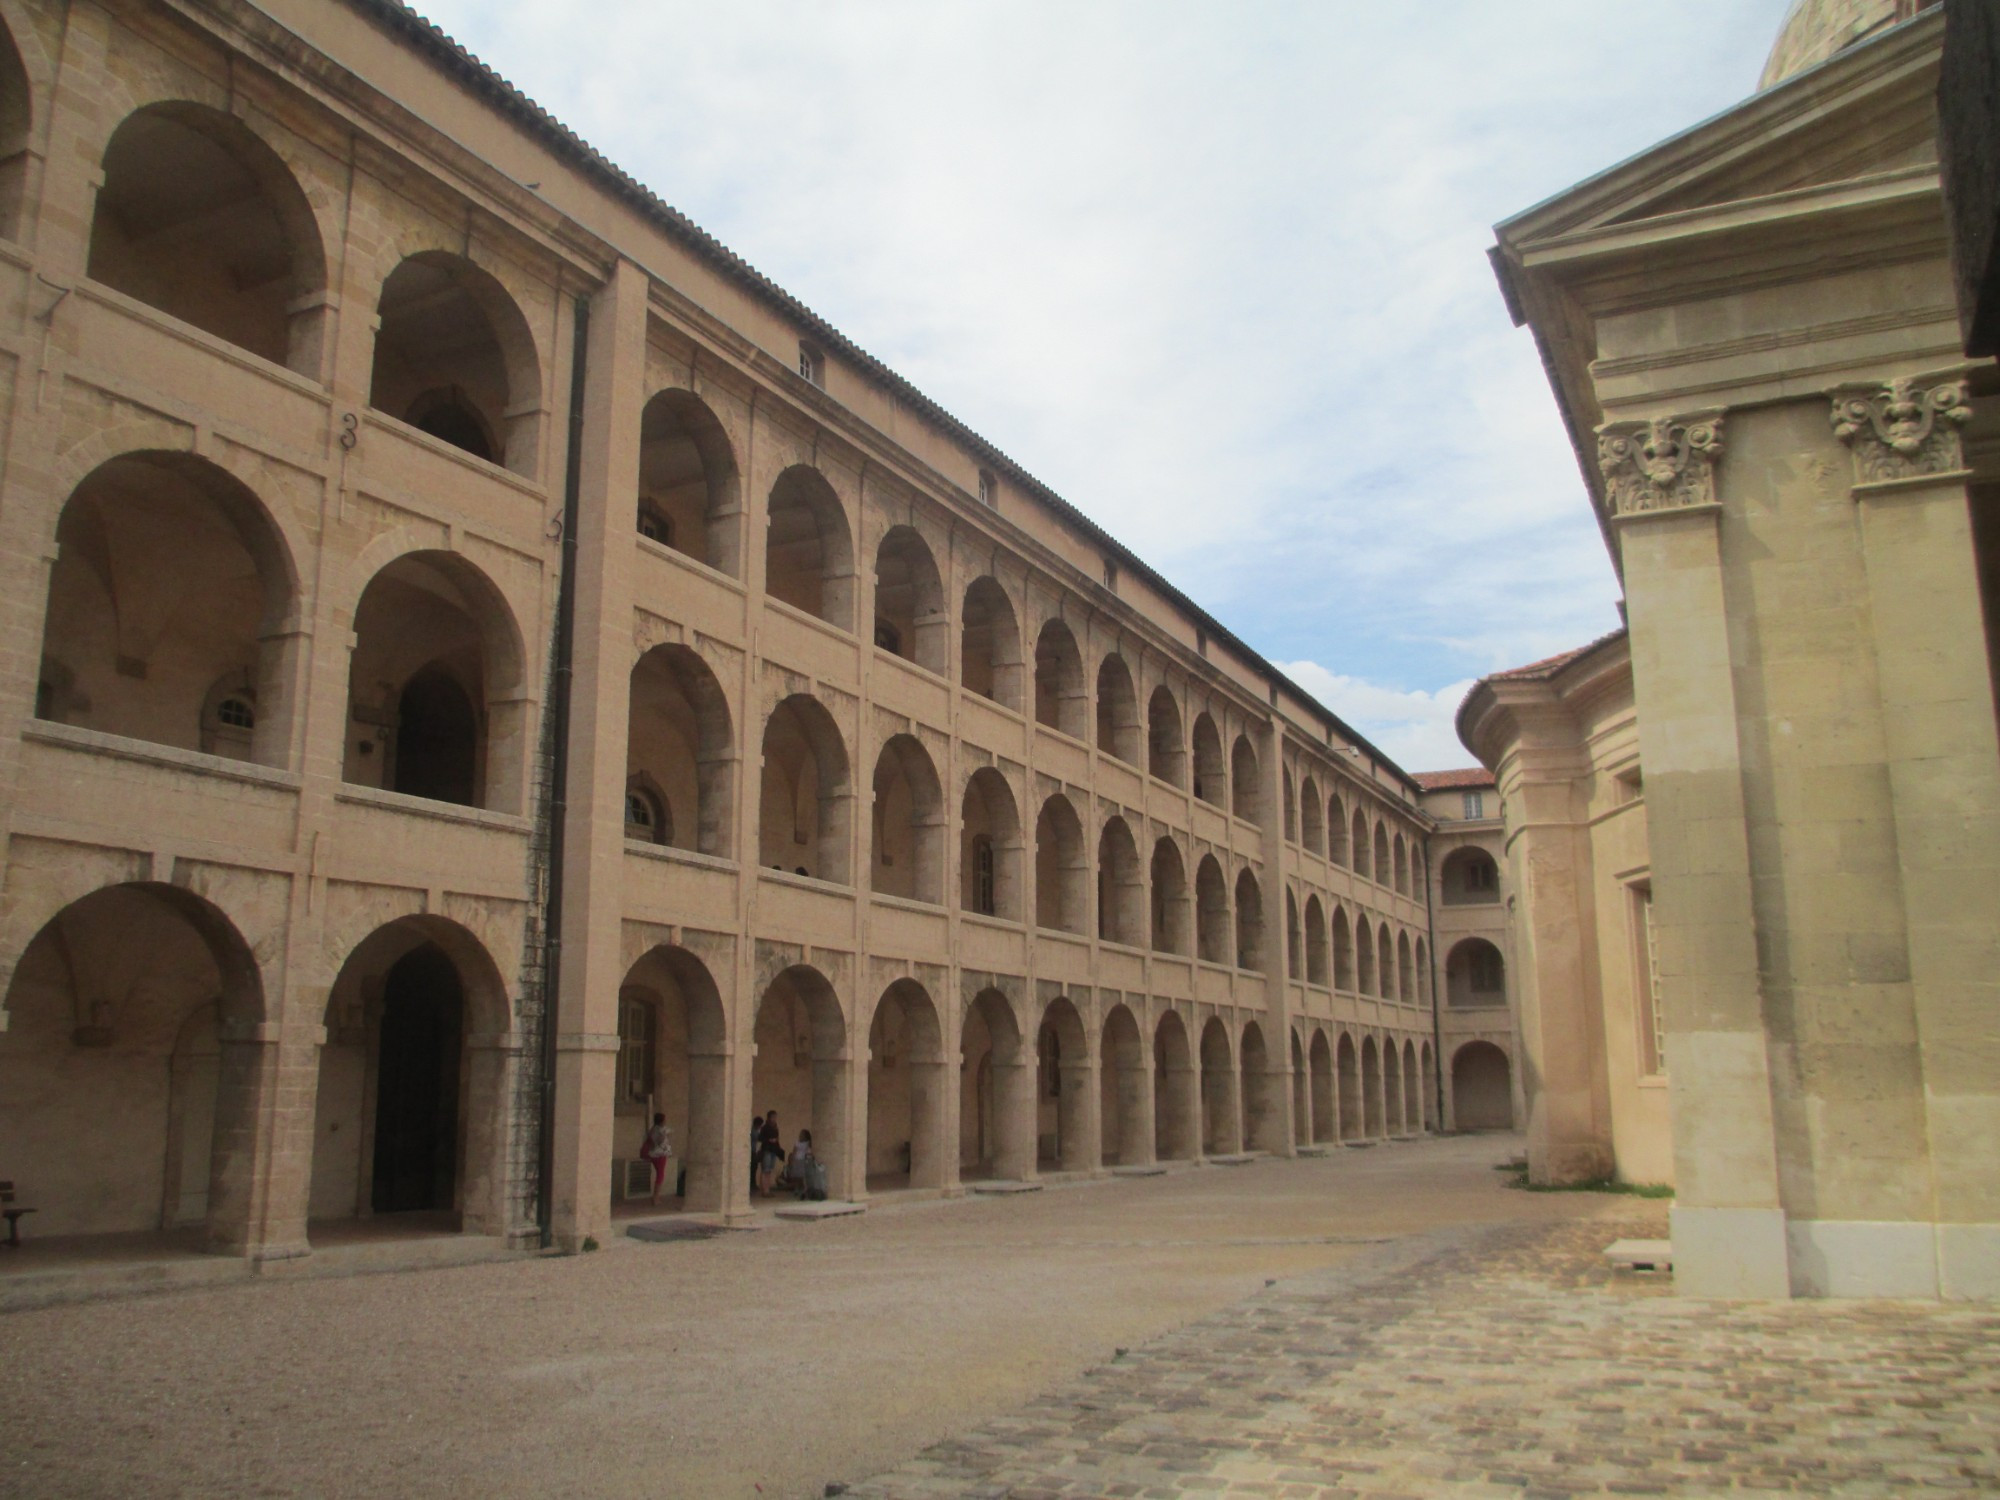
pixel 647 817
pixel 1243 776
pixel 1291 800
pixel 679 743
pixel 1343 951
pixel 1121 893
pixel 1469 877
pixel 1117 710
pixel 808 557
pixel 1293 958
pixel 1169 890
pixel 1384 872
pixel 16 126
pixel 1312 830
pixel 1060 875
pixel 910 619
pixel 689 499
pixel 655 525
pixel 806 804
pixel 1315 920
pixel 991 853
pixel 1060 700
pixel 1336 831
pixel 1249 922
pixel 982 876
pixel 1211 780
pixel 1212 912
pixel 1361 845
pixel 909 823
pixel 990 646
pixel 1166 755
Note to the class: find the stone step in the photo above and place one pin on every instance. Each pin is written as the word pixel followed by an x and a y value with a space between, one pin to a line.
pixel 998 1189
pixel 1641 1255
pixel 1150 1169
pixel 831 1209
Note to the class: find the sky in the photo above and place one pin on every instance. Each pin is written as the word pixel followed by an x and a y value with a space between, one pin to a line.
pixel 1215 272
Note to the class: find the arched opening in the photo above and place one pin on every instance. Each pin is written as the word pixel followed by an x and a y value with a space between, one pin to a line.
pixel 1060 700
pixel 805 806
pixel 1169 890
pixel 1243 780
pixel 1360 835
pixel 1469 877
pixel 1364 956
pixel 1263 1126
pixel 1381 867
pixel 1312 823
pixel 1294 956
pixel 1211 898
pixel 1121 897
pixel 1319 1060
pixel 1065 1133
pixel 1343 952
pixel 1249 922
pixel 680 750
pixel 910 618
pixel 990 848
pixel 1413 1093
pixel 16 132
pixel 1166 752
pixel 1423 965
pixel 1406 979
pixel 410 1116
pixel 127 1099
pixel 169 612
pixel 1481 1090
pixel 1176 1110
pixel 435 707
pixel 689 496
pixel 907 1080
pixel 1301 1099
pixel 198 217
pixel 1371 1089
pixel 1290 825
pixel 1315 941
pixel 1125 1105
pixel 908 847
pixel 799 1068
pixel 1117 710
pixel 673 1060
pixel 1061 879
pixel 1385 959
pixel 1221 1128
pixel 1211 779
pixel 1348 1072
pixel 1392 1090
pixel 454 359
pixel 1475 974
pixel 1336 831
pixel 1402 865
pixel 996 1116
pixel 990 645
pixel 1427 1065
pixel 808 553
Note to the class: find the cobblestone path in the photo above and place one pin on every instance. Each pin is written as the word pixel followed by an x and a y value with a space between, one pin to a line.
pixel 1508 1363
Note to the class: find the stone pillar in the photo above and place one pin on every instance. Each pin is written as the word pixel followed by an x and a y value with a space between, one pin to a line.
pixel 1080 1111
pixel 1944 785
pixel 1014 1112
pixel 1728 1220
pixel 1134 1085
pixel 840 1103
pixel 1276 1130
pixel 600 697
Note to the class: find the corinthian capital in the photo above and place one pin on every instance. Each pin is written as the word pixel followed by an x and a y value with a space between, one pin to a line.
pixel 1665 464
pixel 1905 428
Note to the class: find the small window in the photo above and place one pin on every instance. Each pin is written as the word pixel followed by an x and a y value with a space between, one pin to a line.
pixel 1631 786
pixel 1486 971
pixel 1482 875
pixel 812 364
pixel 989 489
pixel 646 816
pixel 1110 573
pixel 888 637
pixel 655 525
pixel 982 876
pixel 236 713
pixel 637 1044
pixel 1475 804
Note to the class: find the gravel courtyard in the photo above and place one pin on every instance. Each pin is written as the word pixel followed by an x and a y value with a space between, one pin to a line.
pixel 1429 1332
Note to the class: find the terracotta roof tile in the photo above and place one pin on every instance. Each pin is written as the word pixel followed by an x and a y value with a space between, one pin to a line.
pixel 1451 781
pixel 1548 666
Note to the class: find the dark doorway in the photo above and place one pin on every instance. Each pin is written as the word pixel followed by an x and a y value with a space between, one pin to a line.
pixel 416 1087
pixel 437 736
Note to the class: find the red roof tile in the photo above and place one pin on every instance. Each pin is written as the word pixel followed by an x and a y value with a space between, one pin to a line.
pixel 1451 781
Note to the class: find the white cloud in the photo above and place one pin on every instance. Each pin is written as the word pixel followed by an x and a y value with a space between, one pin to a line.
pixel 1412 726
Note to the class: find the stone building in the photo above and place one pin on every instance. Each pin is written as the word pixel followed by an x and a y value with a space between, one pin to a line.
pixel 482 663
pixel 1753 331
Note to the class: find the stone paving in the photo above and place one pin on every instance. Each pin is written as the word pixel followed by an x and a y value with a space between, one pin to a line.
pixel 1509 1362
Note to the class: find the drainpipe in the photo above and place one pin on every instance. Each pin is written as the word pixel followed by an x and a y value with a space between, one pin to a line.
pixel 1437 997
pixel 559 708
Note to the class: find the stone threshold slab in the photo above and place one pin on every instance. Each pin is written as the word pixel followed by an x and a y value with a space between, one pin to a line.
pixel 1235 1159
pixel 1151 1169
pixel 1001 1189
pixel 1641 1255
pixel 827 1210
pixel 1313 1151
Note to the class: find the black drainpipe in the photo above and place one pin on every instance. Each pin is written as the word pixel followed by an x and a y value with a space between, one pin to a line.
pixel 565 643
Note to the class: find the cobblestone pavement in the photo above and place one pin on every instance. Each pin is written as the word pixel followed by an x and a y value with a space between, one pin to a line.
pixel 1509 1363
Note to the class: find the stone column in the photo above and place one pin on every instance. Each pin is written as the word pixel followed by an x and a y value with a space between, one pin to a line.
pixel 1082 1145
pixel 1014 1112
pixel 1134 1085
pixel 1728 1221
pixel 1944 786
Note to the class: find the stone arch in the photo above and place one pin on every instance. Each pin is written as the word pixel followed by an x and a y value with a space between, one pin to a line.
pixel 1290 799
pixel 1319 1061
pixel 1176 1105
pixel 1243 780
pixel 1249 921
pixel 806 803
pixel 1221 1126
pixel 690 494
pixel 990 847
pixel 1061 700
pixel 996 1093
pixel 1343 951
pixel 1312 817
pixel 1065 1132
pixel 1212 927
pixel 1427 1064
pixel 906 854
pixel 1392 1088
pixel 1385 963
pixel 1401 857
pixel 1413 1094
pixel 1371 1090
pixel 17 126
pixel 1263 1122
pixel 1294 945
pixel 1125 1106
pixel 437 706
pixel 908 1079
pixel 910 616
pixel 1315 920
pixel 1117 710
pixel 809 548
pixel 1061 875
pixel 1121 892
pixel 1423 963
pixel 1475 974
pixel 1406 979
pixel 1359 834
pixel 1211 777
pixel 673 1059
pixel 199 217
pixel 129 1083
pixel 455 358
pixel 800 1068
pixel 1383 871
pixel 173 591
pixel 1166 750
pixel 1336 830
pixel 990 644
pixel 1364 957
pixel 1169 898
pixel 1301 1096
pixel 412 1108
pixel 1469 877
pixel 680 740
pixel 1353 1119
pixel 1481 1088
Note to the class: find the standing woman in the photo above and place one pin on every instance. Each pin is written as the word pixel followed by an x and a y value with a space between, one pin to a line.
pixel 770 1152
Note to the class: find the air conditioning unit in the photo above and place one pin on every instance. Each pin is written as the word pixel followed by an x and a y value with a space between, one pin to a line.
pixel 636 1177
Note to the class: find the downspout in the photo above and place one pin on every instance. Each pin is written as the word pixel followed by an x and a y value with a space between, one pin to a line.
pixel 1437 1026
pixel 559 707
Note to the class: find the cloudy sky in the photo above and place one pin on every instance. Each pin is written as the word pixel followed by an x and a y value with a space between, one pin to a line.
pixel 1215 272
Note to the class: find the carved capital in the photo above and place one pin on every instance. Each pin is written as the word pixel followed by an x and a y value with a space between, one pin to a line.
pixel 1905 428
pixel 1665 464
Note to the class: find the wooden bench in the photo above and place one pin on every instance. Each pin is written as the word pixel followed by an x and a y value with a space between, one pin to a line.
pixel 12 1215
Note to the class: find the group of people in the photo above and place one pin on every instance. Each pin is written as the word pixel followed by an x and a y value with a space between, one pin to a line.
pixel 802 1173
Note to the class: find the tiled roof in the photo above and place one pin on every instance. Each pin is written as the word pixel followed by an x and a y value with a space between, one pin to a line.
pixel 1548 666
pixel 1452 781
